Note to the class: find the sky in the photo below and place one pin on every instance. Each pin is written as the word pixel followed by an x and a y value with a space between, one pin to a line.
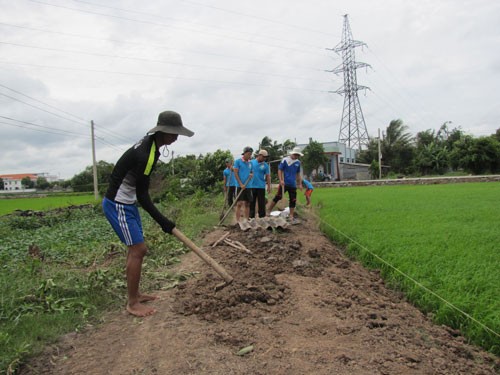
pixel 236 71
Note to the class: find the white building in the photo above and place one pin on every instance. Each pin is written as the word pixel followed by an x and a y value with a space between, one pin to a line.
pixel 338 155
pixel 13 181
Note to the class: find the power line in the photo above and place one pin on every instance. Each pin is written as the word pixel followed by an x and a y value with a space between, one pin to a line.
pixel 102 129
pixel 259 18
pixel 51 130
pixel 409 103
pixel 41 109
pixel 118 148
pixel 157 61
pixel 199 24
pixel 166 77
pixel 45 129
pixel 225 36
pixel 113 134
pixel 161 46
pixel 39 101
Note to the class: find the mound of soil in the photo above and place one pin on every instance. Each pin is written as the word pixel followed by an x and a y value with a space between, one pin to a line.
pixel 297 305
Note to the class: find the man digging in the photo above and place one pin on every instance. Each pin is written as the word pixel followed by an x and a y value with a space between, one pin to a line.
pixel 129 183
pixel 290 177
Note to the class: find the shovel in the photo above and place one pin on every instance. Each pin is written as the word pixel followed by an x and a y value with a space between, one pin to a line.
pixel 223 207
pixel 205 257
pixel 234 201
pixel 225 197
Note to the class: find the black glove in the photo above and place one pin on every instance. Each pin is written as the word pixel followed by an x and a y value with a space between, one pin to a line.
pixel 167 226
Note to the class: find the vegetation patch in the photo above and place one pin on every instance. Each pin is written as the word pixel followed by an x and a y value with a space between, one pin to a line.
pixel 63 269
pixel 427 239
pixel 10 205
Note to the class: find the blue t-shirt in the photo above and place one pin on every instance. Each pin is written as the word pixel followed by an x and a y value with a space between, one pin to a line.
pixel 260 171
pixel 307 184
pixel 244 168
pixel 230 179
pixel 290 168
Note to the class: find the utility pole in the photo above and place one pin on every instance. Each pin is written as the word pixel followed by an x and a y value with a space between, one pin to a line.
pixel 353 130
pixel 94 165
pixel 379 157
pixel 173 171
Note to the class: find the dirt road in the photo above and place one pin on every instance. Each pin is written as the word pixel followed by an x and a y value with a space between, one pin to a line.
pixel 297 305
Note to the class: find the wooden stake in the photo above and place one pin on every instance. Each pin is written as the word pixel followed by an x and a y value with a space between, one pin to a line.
pixel 221 239
pixel 237 245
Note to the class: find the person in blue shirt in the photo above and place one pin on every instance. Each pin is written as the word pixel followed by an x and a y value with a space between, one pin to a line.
pixel 242 169
pixel 229 182
pixel 309 190
pixel 290 176
pixel 261 179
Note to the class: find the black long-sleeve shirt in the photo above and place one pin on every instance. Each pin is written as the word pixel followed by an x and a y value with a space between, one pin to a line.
pixel 129 181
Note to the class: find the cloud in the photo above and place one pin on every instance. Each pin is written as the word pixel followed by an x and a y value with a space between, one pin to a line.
pixel 235 71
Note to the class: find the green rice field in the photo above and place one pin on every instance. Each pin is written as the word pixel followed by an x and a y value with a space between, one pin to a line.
pixel 439 244
pixel 9 205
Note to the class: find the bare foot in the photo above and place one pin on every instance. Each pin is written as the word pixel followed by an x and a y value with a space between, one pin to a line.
pixel 138 309
pixel 147 297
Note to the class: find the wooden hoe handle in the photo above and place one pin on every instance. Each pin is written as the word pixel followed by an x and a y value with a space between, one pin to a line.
pixel 234 202
pixel 205 257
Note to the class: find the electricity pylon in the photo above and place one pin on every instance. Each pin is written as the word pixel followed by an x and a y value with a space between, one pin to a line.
pixel 353 130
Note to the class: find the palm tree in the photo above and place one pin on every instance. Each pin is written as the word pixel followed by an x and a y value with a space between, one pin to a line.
pixel 397 148
pixel 396 134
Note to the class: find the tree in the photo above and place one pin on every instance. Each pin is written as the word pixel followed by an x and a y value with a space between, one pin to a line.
pixel 434 151
pixel 397 148
pixel 314 157
pixel 370 153
pixel 449 137
pixel 425 138
pixel 84 181
pixel 461 154
pixel 432 158
pixel 276 152
pixel 42 183
pixel 104 171
pixel 497 135
pixel 374 170
pixel 210 170
pixel 486 155
pixel 185 175
pixel 288 146
pixel 27 183
pixel 396 134
pixel 476 156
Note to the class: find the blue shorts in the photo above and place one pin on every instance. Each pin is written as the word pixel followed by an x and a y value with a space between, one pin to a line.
pixel 125 220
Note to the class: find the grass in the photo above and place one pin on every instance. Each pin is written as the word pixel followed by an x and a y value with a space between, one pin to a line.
pixel 9 205
pixel 79 272
pixel 446 237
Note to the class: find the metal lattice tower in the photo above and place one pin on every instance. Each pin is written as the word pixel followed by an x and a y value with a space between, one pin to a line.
pixel 353 130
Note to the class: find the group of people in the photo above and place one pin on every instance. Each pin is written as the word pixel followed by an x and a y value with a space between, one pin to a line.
pixel 248 180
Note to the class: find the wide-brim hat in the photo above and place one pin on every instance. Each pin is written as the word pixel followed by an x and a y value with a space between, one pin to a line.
pixel 170 122
pixel 296 151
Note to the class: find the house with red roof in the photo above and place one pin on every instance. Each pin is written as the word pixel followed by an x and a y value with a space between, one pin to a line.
pixel 13 181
